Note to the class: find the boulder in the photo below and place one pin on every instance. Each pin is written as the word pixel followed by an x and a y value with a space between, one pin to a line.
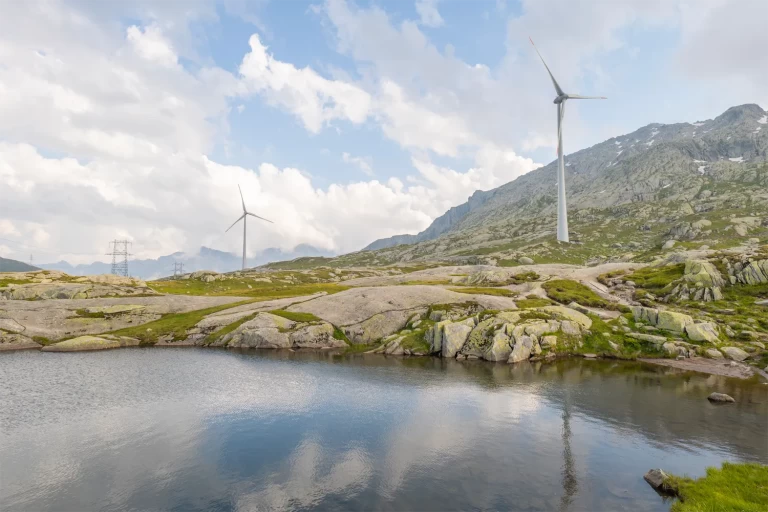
pixel 670 348
pixel 500 348
pixel 720 398
pixel 657 479
pixel 542 327
pixel 643 314
pixel 702 273
pixel 569 314
pixel 734 353
pixel 525 260
pixel 548 342
pixel 705 331
pixel 668 244
pixel 378 326
pixel 82 343
pixel 713 353
pixel 672 321
pixel 522 350
pixel 315 336
pixel 454 335
pixel 570 328
pixel 265 337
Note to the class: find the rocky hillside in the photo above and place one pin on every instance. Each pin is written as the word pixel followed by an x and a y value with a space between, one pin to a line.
pixel 9 265
pixel 659 174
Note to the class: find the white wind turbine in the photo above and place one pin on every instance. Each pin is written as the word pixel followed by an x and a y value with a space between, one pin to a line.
pixel 243 217
pixel 562 211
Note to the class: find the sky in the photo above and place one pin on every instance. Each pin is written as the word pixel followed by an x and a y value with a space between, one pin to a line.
pixel 342 121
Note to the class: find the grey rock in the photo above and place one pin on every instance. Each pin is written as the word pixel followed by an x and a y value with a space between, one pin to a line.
pixel 454 335
pixel 500 348
pixel 734 353
pixel 656 478
pixel 705 331
pixel 521 350
pixel 713 353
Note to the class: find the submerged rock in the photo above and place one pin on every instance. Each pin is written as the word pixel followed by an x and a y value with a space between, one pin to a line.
pixel 720 397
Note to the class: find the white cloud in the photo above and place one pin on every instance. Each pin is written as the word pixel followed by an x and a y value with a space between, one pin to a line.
pixel 427 10
pixel 363 163
pixel 150 44
pixel 314 99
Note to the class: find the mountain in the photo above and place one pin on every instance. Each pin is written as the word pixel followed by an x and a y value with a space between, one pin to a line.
pixel 657 175
pixel 440 225
pixel 8 265
pixel 205 259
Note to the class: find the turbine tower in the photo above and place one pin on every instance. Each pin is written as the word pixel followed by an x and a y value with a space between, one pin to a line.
pixel 562 210
pixel 243 217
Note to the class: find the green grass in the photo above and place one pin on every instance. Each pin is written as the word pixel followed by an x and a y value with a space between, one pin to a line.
pixel 43 340
pixel 358 348
pixel 566 291
pixel 500 292
pixel 6 282
pixel 176 324
pixel 416 341
pixel 300 263
pixel 733 488
pixel 296 316
pixel 432 282
pixel 339 335
pixel 215 336
pixel 239 288
pixel 525 277
pixel 531 303
pixel 82 313
pixel 656 278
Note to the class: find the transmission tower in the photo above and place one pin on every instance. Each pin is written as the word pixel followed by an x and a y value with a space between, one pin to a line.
pixel 120 257
pixel 178 268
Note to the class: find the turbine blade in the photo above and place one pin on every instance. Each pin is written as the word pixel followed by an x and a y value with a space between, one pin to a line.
pixel 579 97
pixel 233 224
pixel 241 198
pixel 554 82
pixel 254 215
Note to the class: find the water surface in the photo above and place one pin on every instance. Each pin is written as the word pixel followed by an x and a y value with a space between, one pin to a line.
pixel 200 429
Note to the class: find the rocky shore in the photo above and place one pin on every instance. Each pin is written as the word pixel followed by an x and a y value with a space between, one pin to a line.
pixel 529 313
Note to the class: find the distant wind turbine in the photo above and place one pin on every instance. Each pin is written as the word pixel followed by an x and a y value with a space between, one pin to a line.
pixel 243 217
pixel 562 210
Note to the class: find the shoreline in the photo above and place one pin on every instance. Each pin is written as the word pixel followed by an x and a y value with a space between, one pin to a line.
pixel 723 368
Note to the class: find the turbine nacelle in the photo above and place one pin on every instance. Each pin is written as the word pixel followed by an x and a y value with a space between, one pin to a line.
pixel 561 98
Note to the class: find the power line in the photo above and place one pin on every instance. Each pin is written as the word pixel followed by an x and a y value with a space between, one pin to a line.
pixel 120 257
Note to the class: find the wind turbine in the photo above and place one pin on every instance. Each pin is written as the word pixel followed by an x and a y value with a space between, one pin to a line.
pixel 562 211
pixel 243 217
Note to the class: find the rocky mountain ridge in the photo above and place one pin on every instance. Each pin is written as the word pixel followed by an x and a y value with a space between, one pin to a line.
pixel 632 168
